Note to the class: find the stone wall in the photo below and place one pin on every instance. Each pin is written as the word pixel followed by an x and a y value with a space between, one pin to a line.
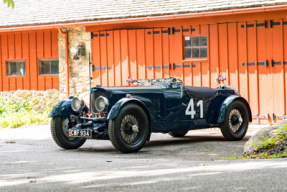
pixel 79 68
pixel 41 100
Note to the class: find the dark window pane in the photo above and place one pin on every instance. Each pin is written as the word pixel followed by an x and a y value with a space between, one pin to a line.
pixel 187 52
pixel 187 41
pixel 203 52
pixel 45 67
pixel 203 41
pixel 54 67
pixel 21 68
pixel 195 53
pixel 12 68
pixel 195 41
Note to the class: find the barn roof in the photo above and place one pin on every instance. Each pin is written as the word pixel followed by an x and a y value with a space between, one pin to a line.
pixel 29 12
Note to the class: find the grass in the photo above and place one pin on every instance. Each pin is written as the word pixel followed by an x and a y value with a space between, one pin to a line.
pixel 14 114
pixel 268 143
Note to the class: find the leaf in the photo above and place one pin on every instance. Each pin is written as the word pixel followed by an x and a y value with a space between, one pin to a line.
pixel 9 3
pixel 13 4
pixel 5 1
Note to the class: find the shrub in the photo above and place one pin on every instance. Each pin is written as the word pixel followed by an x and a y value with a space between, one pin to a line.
pixel 14 114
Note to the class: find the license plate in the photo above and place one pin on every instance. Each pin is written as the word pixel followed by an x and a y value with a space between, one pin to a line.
pixel 87 133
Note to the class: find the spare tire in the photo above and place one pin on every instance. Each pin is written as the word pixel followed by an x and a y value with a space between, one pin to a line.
pixel 227 87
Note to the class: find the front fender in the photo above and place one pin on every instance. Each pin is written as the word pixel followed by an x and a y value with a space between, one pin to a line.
pixel 225 105
pixel 118 105
pixel 64 109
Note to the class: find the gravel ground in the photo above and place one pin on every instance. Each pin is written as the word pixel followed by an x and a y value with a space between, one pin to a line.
pixel 31 161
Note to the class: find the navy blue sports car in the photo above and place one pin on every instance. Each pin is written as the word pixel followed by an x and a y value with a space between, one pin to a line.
pixel 127 115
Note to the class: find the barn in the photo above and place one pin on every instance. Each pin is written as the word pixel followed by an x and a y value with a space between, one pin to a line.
pixel 46 45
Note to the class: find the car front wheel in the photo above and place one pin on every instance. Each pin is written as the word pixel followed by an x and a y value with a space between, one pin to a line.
pixel 60 134
pixel 129 131
pixel 236 121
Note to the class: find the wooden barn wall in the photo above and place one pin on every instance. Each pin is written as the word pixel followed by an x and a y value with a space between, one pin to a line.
pixel 236 50
pixel 29 47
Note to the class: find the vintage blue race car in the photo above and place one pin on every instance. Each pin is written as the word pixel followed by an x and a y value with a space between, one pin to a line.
pixel 127 115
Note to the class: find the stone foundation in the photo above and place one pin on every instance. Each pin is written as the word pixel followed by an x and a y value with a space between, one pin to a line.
pixel 41 100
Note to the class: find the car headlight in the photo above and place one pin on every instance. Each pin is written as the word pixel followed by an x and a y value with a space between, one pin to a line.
pixel 77 104
pixel 101 103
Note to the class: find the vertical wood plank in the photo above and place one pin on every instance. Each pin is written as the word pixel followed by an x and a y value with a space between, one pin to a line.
pixel 111 66
pixel 117 54
pixel 223 49
pixel 96 59
pixel 242 51
pixel 54 40
pixel 149 57
pixel 47 44
pixel 40 44
pixel 125 56
pixel 41 84
pixel 141 67
pixel 213 52
pixel 4 49
pixel 56 82
pixel 232 55
pixel 48 83
pixel 157 37
pixel 18 46
pixel 103 58
pixel 205 73
pixel 132 53
pixel 165 53
pixel 285 63
pixel 25 48
pixel 33 61
pixel 252 67
pixel 19 83
pixel 11 46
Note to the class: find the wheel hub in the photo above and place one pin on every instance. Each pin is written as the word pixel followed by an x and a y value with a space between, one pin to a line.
pixel 235 120
pixel 129 129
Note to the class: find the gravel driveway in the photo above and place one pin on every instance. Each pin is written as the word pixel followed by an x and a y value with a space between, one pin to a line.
pixel 35 163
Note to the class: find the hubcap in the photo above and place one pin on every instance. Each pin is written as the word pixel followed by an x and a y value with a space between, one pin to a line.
pixel 235 120
pixel 130 129
pixel 65 129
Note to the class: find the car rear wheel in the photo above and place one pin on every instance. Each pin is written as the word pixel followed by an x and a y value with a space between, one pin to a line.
pixel 129 131
pixel 60 134
pixel 236 121
pixel 177 133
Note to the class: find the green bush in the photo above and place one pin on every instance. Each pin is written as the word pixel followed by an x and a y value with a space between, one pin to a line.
pixel 15 114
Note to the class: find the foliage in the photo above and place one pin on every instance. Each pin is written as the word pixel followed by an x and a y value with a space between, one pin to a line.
pixel 10 3
pixel 14 114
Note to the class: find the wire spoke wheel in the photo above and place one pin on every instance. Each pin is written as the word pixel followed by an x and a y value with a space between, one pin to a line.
pixel 235 120
pixel 129 131
pixel 235 124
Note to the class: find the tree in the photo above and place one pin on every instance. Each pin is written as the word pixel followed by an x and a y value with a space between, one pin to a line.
pixel 10 3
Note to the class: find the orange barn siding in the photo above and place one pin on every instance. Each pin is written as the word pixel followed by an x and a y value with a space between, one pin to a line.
pixel 236 50
pixel 29 47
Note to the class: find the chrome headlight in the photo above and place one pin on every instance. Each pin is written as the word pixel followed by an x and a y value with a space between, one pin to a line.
pixel 77 104
pixel 101 103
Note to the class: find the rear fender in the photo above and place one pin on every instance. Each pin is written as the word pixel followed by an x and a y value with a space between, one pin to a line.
pixel 64 109
pixel 118 105
pixel 225 105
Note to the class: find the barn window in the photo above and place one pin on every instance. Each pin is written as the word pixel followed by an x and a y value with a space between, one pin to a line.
pixel 15 68
pixel 48 67
pixel 195 47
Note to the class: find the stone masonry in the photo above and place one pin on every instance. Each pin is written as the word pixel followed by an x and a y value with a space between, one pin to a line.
pixel 79 69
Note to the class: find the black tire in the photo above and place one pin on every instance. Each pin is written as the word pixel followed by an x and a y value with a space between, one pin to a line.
pixel 227 87
pixel 231 128
pixel 177 133
pixel 123 135
pixel 60 138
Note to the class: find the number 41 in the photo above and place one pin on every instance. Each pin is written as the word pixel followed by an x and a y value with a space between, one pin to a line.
pixel 190 108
